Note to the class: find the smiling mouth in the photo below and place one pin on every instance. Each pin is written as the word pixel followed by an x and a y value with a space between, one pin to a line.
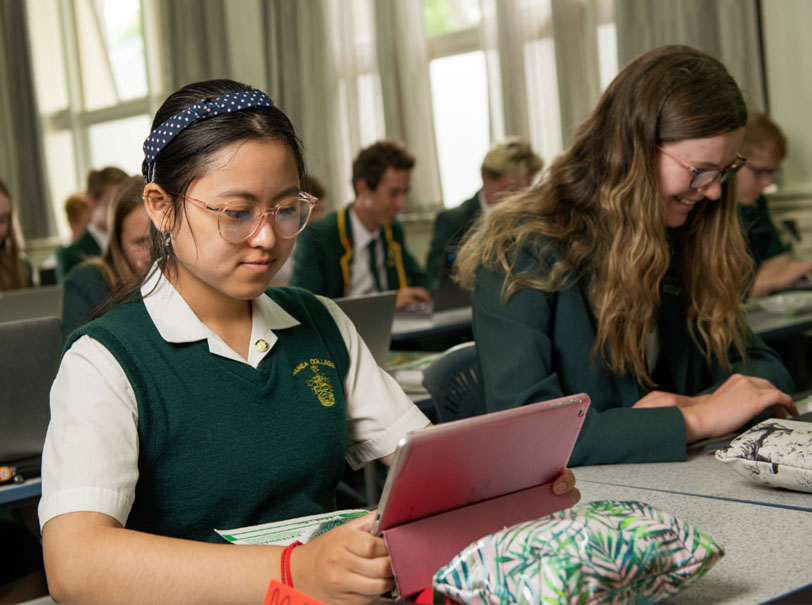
pixel 686 202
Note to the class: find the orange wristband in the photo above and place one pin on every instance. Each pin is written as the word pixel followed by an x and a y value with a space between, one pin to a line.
pixel 287 579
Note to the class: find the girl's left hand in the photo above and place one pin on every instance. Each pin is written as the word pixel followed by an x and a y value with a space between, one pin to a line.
pixel 662 399
pixel 565 484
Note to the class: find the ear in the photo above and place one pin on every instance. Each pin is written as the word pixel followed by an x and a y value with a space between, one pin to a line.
pixel 159 207
pixel 361 188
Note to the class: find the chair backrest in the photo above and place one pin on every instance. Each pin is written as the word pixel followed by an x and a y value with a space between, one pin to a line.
pixel 29 356
pixel 453 382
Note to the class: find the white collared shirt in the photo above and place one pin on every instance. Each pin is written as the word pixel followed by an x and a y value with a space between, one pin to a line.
pixel 90 457
pixel 361 279
pixel 100 236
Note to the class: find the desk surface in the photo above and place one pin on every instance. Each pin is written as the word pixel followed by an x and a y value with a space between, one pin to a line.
pixel 701 475
pixel 767 550
pixel 771 325
pixel 414 325
pixel 32 488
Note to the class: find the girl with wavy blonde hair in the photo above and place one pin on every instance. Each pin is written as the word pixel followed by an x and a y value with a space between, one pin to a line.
pixel 622 271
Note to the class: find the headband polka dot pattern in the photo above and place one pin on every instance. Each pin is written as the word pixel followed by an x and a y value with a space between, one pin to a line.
pixel 202 110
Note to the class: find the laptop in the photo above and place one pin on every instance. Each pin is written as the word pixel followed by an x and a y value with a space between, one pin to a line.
pixel 26 303
pixel 29 359
pixel 372 315
pixel 453 483
pixel 447 295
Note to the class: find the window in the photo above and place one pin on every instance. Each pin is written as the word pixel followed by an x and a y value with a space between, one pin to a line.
pixel 93 89
pixel 459 90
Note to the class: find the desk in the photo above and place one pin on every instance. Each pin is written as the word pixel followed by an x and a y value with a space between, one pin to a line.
pixel 767 550
pixel 772 325
pixel 415 325
pixel 701 475
pixel 31 488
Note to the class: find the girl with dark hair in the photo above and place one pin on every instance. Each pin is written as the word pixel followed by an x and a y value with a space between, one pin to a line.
pixel 89 285
pixel 15 272
pixel 621 273
pixel 210 401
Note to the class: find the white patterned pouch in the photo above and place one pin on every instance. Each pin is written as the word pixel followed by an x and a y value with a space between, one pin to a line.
pixel 596 552
pixel 775 452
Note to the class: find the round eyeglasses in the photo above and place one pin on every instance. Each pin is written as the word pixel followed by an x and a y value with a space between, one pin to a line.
pixel 703 178
pixel 240 220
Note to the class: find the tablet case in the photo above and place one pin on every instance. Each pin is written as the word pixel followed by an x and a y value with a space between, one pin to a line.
pixel 453 483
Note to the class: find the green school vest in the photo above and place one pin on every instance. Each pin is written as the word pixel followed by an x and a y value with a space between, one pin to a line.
pixel 222 444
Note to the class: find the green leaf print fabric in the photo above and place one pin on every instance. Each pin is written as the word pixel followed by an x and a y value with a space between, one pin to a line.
pixel 596 552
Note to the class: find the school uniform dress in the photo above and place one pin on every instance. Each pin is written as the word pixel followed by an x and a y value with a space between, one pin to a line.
pixel 156 422
pixel 450 226
pixel 539 345
pixel 763 240
pixel 91 243
pixel 327 260
pixel 85 291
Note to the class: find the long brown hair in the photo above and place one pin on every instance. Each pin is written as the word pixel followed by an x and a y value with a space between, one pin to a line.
pixel 599 216
pixel 114 266
pixel 12 271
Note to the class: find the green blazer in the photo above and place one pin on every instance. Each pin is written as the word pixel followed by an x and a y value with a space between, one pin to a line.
pixel 323 257
pixel 449 228
pixel 762 236
pixel 84 293
pixel 539 346
pixel 70 256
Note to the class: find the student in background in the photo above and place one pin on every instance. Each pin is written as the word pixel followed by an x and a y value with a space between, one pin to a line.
pixel 765 147
pixel 101 187
pixel 313 186
pixel 78 214
pixel 15 271
pixel 621 273
pixel 509 166
pixel 212 401
pixel 361 249
pixel 89 285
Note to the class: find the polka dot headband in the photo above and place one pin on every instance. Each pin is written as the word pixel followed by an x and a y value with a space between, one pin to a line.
pixel 202 110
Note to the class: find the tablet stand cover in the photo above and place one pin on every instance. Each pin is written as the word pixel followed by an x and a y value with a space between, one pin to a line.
pixel 459 481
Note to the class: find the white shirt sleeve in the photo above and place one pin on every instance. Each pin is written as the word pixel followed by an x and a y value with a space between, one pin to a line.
pixel 90 456
pixel 379 413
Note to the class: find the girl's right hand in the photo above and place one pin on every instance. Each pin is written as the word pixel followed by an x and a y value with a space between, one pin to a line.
pixel 344 565
pixel 734 403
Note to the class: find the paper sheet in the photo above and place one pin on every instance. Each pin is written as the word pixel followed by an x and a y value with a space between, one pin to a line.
pixel 282 533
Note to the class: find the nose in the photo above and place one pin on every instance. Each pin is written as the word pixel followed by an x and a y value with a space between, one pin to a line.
pixel 265 237
pixel 712 191
pixel 400 202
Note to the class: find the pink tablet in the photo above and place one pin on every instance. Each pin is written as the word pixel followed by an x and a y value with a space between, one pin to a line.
pixel 453 483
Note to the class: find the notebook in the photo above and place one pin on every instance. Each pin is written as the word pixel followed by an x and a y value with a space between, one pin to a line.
pixel 29 357
pixel 26 303
pixel 372 315
pixel 453 483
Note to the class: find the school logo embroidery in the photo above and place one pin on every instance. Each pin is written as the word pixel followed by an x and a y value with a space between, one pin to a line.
pixel 317 381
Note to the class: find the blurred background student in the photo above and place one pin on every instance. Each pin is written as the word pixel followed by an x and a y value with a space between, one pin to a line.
pixel 509 165
pixel 313 186
pixel 88 286
pixel 15 271
pixel 765 147
pixel 101 187
pixel 78 214
pixel 362 248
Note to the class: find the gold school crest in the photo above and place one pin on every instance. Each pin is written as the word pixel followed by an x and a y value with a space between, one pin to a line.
pixel 318 382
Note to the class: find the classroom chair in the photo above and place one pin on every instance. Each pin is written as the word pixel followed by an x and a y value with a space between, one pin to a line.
pixel 453 382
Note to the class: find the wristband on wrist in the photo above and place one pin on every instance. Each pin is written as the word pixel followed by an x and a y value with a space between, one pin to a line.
pixel 287 579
